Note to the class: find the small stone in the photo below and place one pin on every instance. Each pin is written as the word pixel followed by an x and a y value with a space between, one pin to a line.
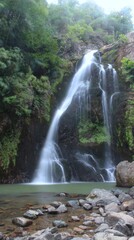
pixel 87 223
pixel 73 203
pixel 56 204
pixel 59 223
pixel 78 230
pixel 21 221
pixel 83 227
pixel 99 220
pixel 88 218
pixel 87 206
pixel 63 194
pixel 82 202
pixel 62 209
pixel 101 211
pixel 52 210
pixel 95 215
pixel 32 214
pixel 75 218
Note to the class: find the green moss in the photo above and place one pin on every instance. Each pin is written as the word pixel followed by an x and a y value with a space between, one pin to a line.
pixel 127 69
pixel 9 148
pixel 61 73
pixel 92 133
pixel 110 55
pixel 129 120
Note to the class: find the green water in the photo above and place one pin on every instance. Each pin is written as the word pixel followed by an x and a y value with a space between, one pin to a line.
pixel 16 198
pixel 78 187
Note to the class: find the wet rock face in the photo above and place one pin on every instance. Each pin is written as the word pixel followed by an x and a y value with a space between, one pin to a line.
pixel 125 174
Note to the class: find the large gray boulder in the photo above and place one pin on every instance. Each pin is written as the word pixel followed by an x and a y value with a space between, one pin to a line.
pixel 125 174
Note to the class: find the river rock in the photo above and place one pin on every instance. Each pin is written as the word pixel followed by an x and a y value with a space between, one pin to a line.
pixel 113 218
pixel 78 230
pixel 75 218
pixel 107 236
pixel 99 220
pixel 52 210
pixel 125 174
pixel 62 209
pixel 56 204
pixel 81 238
pixel 21 221
pixel 101 197
pixel 128 205
pixel 73 203
pixel 126 229
pixel 59 223
pixel 82 202
pixel 1 236
pixel 32 214
pixel 87 206
pixel 124 197
pixel 131 192
pixel 102 228
pixel 112 207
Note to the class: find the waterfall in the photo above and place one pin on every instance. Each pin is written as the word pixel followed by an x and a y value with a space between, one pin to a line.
pixel 50 168
pixel 50 160
pixel 107 106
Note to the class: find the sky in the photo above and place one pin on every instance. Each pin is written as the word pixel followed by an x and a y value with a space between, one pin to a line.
pixel 110 5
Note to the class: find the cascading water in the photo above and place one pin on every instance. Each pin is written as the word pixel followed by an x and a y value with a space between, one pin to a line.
pixel 50 159
pixel 107 106
pixel 50 168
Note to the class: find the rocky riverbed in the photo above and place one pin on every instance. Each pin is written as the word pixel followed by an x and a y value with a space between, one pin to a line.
pixel 103 214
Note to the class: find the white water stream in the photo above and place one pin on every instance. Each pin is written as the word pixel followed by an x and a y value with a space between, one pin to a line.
pixel 50 159
pixel 50 163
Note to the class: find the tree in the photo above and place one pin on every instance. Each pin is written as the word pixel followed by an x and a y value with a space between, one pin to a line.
pixel 121 22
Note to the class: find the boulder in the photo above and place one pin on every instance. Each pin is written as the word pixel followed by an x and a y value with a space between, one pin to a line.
pixel 125 174
pixel 108 236
pixel 101 197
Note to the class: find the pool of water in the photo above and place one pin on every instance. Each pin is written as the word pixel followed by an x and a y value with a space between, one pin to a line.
pixel 74 187
pixel 15 199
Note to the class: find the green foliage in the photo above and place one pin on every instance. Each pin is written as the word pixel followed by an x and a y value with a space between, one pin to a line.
pixel 110 55
pixel 122 39
pixel 127 69
pixel 127 73
pixel 21 93
pixel 9 148
pixel 42 95
pixel 91 133
pixel 79 31
pixel 81 20
pixel 15 91
pixel 120 22
pixel 129 123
